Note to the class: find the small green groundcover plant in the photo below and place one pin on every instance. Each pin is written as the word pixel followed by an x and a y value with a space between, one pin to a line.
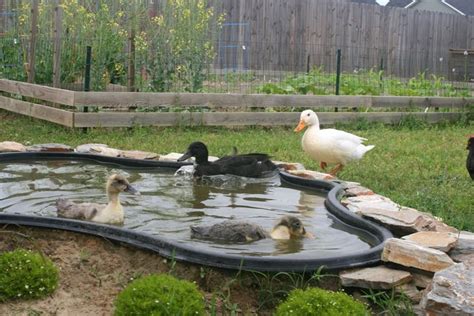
pixel 160 295
pixel 26 274
pixel 315 301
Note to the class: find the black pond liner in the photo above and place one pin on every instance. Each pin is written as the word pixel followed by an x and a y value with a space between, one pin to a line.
pixel 181 252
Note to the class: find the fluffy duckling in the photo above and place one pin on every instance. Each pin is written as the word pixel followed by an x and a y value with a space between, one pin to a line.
pixel 330 145
pixel 288 227
pixel 252 165
pixel 470 156
pixel 112 213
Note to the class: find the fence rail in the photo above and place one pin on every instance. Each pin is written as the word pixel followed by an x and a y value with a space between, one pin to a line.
pixel 15 93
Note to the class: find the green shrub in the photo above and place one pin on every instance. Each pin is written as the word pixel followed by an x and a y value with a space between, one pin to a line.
pixel 160 295
pixel 26 274
pixel 315 301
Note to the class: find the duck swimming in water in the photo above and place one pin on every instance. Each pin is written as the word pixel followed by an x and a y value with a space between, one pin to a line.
pixel 112 213
pixel 330 145
pixel 288 227
pixel 252 165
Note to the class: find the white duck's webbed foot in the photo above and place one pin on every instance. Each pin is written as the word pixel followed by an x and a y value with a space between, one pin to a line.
pixel 336 169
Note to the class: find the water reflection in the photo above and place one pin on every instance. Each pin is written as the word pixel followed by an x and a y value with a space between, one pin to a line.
pixel 169 204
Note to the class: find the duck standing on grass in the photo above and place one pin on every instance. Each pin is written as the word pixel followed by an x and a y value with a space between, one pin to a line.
pixel 252 165
pixel 330 145
pixel 112 213
pixel 288 227
pixel 470 156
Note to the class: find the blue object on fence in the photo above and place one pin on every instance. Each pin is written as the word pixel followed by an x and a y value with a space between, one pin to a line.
pixel 233 49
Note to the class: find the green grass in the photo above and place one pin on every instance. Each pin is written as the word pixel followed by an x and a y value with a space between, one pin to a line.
pixel 414 164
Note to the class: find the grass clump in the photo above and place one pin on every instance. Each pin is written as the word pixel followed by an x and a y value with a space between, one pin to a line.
pixel 26 274
pixel 315 301
pixel 160 295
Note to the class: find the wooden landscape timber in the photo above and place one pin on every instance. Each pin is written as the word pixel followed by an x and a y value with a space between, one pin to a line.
pixel 14 92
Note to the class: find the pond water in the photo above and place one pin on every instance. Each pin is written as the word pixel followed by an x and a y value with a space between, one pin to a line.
pixel 170 203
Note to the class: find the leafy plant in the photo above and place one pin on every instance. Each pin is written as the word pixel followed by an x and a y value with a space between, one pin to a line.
pixel 26 274
pixel 272 287
pixel 315 301
pixel 159 295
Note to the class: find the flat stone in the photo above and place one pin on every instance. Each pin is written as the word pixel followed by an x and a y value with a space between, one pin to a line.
pixel 410 254
pixel 289 165
pixel 98 149
pixel 138 154
pixel 310 174
pixel 400 222
pixel 8 146
pixel 462 258
pixel 370 203
pixel 451 292
pixel 437 240
pixel 410 290
pixel 355 189
pixel 51 147
pixel 379 277
pixel 87 148
pixel 434 224
pixel 464 248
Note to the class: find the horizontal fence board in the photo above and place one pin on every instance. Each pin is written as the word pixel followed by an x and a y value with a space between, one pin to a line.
pixel 45 93
pixel 243 118
pixel 39 111
pixel 145 99
pixel 406 101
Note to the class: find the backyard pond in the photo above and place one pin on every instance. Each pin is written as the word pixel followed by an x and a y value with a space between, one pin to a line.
pixel 169 204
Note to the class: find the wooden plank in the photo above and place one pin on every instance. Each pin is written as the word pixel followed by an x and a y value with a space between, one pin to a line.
pixel 39 92
pixel 242 118
pixel 39 111
pixel 403 101
pixel 259 100
pixel 218 99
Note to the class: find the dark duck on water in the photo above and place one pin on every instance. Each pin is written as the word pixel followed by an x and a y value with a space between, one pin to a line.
pixel 470 157
pixel 252 165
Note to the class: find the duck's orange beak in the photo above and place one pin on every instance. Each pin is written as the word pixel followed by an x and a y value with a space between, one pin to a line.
pixel 300 126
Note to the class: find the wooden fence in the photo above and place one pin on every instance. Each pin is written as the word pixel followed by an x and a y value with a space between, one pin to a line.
pixel 293 35
pixel 65 107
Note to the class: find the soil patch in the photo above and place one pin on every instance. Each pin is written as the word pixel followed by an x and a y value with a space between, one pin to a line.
pixel 94 270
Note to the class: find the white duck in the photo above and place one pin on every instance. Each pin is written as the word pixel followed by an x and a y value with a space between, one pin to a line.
pixel 330 145
pixel 112 213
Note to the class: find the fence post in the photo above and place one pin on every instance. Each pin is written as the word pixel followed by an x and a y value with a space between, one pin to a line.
pixel 338 73
pixel 57 44
pixel 32 48
pixel 87 78
pixel 131 60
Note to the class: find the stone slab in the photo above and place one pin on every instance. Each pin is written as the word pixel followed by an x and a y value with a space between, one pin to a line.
pixel 138 154
pixel 379 277
pixel 442 241
pixel 8 146
pixel 410 254
pixel 51 147
pixel 451 292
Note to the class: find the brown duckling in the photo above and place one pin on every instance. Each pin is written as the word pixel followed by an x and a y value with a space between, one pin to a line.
pixel 111 213
pixel 288 227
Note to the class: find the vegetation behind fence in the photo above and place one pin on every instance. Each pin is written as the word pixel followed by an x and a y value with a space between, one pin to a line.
pixel 252 46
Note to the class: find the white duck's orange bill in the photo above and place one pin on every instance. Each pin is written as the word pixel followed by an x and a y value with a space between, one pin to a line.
pixel 300 126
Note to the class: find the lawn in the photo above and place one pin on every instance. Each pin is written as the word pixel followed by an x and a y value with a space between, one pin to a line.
pixel 414 164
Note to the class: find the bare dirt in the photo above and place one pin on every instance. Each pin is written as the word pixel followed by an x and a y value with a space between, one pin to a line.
pixel 94 270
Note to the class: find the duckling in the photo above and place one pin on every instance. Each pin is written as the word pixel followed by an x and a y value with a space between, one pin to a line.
pixel 254 165
pixel 330 145
pixel 288 227
pixel 470 156
pixel 112 213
